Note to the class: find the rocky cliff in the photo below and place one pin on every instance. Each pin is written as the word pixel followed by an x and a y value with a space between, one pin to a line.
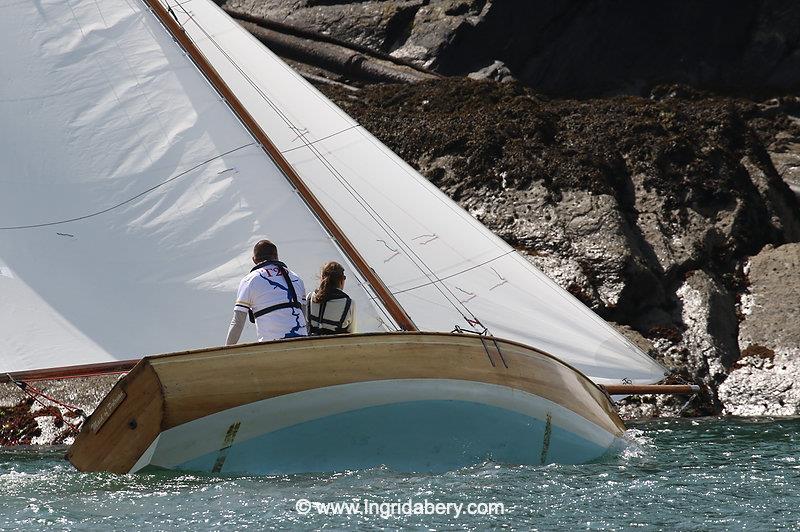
pixel 658 198
pixel 653 198
pixel 585 47
pixel 651 210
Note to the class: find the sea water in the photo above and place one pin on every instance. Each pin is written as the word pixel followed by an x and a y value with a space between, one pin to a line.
pixel 704 474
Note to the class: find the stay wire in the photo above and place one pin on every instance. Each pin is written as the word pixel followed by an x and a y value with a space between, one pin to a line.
pixel 372 296
pixel 421 265
pixel 35 393
pixel 343 181
pixel 396 238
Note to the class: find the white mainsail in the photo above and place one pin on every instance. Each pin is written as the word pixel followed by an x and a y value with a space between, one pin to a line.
pixel 105 106
pixel 445 268
pixel 131 194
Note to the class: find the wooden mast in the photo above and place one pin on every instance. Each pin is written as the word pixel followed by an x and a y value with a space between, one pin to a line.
pixel 381 290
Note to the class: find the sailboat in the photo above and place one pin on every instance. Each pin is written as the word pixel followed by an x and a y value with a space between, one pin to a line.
pixel 147 145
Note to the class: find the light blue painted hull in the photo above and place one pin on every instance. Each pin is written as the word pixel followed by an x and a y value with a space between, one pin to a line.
pixel 410 426
pixel 415 436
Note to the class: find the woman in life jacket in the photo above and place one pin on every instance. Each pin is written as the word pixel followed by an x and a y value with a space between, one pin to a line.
pixel 328 309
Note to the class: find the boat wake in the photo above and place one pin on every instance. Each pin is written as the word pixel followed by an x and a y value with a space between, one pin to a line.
pixel 633 445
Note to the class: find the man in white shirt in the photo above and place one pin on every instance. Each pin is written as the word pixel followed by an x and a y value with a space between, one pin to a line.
pixel 272 296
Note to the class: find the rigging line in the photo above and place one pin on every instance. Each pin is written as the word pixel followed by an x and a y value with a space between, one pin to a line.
pixel 278 111
pixel 432 190
pixel 137 196
pixel 321 139
pixel 455 302
pixel 428 272
pixel 35 393
pixel 395 237
pixel 342 180
pixel 441 279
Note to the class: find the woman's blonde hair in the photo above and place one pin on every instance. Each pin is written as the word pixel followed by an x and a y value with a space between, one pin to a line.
pixel 330 277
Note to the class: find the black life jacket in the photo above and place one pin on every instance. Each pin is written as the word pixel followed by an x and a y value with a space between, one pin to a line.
pixel 315 322
pixel 291 292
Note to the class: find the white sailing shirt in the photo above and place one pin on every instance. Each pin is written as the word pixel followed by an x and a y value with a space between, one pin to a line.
pixel 265 287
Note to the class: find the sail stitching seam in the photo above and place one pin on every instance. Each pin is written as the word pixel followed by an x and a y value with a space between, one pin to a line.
pixel 456 273
pixel 137 196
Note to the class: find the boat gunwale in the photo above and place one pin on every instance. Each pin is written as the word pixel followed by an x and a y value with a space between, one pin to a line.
pixel 602 414
pixel 487 342
pixel 484 338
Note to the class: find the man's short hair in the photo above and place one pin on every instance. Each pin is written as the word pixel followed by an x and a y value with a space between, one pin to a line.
pixel 265 250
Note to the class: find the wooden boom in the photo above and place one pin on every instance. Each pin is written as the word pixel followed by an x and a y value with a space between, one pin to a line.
pixel 69 372
pixel 666 389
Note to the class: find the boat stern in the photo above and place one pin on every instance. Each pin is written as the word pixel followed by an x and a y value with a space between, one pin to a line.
pixel 124 424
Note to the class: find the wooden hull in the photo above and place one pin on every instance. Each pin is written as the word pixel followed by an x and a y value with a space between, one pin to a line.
pixel 410 401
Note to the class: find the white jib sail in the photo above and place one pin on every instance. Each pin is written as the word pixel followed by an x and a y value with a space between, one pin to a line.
pixel 130 195
pixel 445 268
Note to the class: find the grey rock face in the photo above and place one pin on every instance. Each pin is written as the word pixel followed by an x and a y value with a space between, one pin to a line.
pixel 381 25
pixel 771 304
pixel 709 340
pixel 766 380
pixel 435 29
pixel 579 241
pixel 764 386
pixel 784 150
pixel 643 209
pixel 787 163
pixel 703 350
pixel 497 71
pixel 572 46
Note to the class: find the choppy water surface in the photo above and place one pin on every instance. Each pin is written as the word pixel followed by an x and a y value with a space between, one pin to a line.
pixel 679 474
